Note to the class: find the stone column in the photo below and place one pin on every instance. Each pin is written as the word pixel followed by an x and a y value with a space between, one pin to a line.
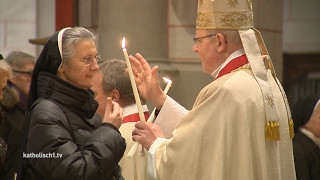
pixel 142 22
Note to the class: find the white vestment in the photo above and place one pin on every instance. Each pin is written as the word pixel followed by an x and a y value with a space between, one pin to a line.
pixel 135 168
pixel 223 136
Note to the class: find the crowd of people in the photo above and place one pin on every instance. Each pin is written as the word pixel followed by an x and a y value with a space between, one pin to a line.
pixel 66 115
pixel 5 75
pixel 13 105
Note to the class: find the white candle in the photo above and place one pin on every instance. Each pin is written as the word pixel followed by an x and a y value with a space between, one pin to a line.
pixel 135 93
pixel 133 82
pixel 169 82
pixel 166 89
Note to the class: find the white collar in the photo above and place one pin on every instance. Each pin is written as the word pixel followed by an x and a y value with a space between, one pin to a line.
pixel 232 56
pixel 310 135
pixel 132 109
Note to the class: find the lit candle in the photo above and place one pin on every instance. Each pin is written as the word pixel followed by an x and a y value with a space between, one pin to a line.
pixel 133 83
pixel 169 82
pixel 135 93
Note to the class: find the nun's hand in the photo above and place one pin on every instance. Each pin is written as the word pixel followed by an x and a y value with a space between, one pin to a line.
pixel 113 113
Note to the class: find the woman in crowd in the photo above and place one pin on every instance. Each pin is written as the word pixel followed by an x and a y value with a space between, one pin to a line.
pixel 5 74
pixel 13 106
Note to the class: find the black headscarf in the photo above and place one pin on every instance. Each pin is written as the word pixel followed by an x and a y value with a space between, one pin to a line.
pixel 48 61
pixel 303 110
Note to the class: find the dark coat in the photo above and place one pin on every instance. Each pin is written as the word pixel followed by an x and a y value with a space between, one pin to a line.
pixel 306 157
pixel 11 128
pixel 3 151
pixel 63 120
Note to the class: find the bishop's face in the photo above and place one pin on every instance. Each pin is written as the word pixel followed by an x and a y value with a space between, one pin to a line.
pixel 206 45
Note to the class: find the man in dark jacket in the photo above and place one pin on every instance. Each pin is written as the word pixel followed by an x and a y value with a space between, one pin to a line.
pixel 13 105
pixel 306 117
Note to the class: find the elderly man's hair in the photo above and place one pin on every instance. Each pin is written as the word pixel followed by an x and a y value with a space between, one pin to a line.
pixel 71 37
pixel 232 36
pixel 115 77
pixel 5 67
pixel 18 59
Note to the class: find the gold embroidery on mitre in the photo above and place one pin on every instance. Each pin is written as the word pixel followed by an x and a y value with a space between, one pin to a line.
pixel 270 101
pixel 249 5
pixel 232 3
pixel 236 20
pixel 272 130
pixel 203 20
pixel 201 3
pixel 291 128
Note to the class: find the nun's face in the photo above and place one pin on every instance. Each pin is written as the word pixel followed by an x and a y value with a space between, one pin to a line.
pixel 80 69
pixel 313 125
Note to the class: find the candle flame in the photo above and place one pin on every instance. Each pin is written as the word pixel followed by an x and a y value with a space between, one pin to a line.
pixel 167 80
pixel 123 43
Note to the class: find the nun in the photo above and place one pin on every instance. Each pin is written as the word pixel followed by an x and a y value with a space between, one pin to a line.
pixel 63 137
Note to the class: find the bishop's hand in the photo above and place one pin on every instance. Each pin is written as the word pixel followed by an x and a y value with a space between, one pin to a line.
pixel 146 133
pixel 147 80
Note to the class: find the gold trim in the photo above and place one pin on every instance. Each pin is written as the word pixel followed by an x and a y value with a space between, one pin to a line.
pixel 240 68
pixel 236 20
pixel 232 3
pixel 269 66
pixel 272 130
pixel 201 3
pixel 270 101
pixel 291 128
pixel 249 4
pixel 203 20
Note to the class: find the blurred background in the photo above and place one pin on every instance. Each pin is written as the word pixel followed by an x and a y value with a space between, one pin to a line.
pixel 162 31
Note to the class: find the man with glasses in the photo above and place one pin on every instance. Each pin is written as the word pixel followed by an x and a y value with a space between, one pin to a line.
pixel 240 126
pixel 13 105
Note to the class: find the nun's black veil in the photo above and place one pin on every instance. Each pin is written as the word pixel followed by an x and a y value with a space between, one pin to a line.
pixel 303 109
pixel 48 61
